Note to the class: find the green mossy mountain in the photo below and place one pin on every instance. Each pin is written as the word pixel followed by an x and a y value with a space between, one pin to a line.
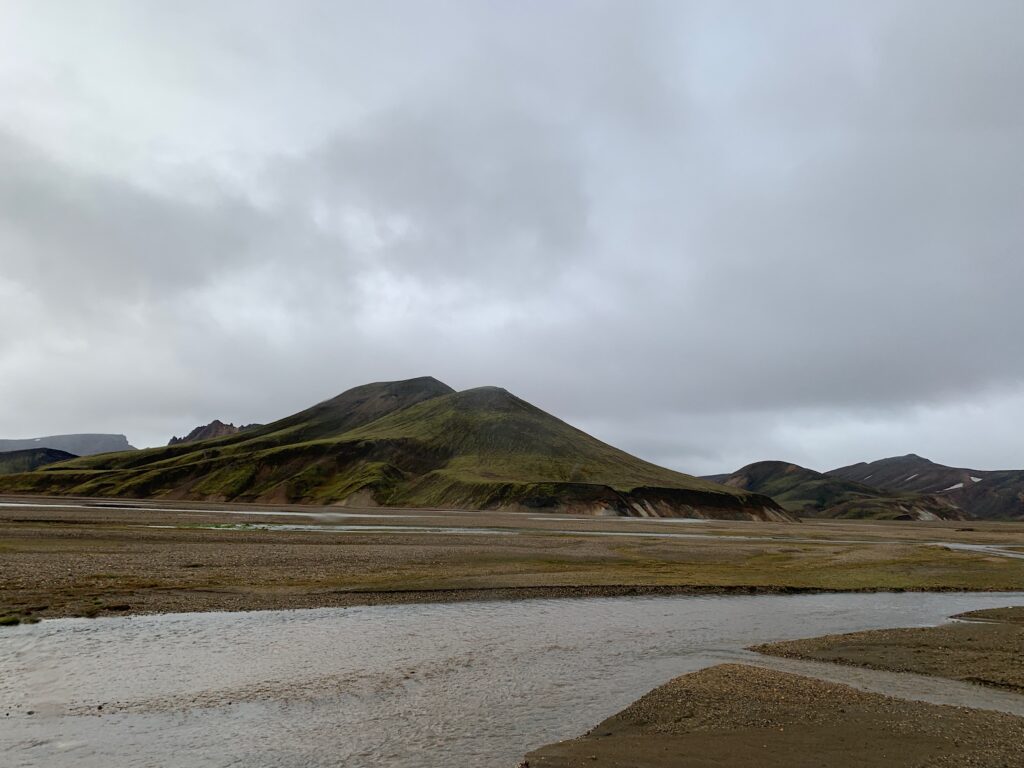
pixel 414 443
pixel 807 493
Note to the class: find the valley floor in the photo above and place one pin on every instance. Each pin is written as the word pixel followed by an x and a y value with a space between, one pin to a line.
pixel 89 557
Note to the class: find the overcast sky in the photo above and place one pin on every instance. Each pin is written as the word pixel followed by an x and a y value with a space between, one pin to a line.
pixel 707 232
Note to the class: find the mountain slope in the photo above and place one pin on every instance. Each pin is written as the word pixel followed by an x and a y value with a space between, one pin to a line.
pixel 808 493
pixel 982 493
pixel 410 443
pixel 905 473
pixel 496 450
pixel 192 461
pixel 12 462
pixel 79 445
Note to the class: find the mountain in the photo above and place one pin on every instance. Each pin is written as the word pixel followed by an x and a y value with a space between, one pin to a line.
pixel 12 462
pixel 984 494
pixel 807 493
pixel 79 445
pixel 908 473
pixel 215 428
pixel 407 443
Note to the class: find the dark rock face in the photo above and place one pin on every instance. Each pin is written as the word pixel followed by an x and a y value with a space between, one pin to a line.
pixel 79 445
pixel 215 428
pixel 32 458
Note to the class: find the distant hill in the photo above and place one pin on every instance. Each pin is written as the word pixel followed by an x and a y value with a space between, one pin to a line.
pixel 984 494
pixel 807 493
pixel 215 428
pixel 25 461
pixel 408 443
pixel 908 473
pixel 79 445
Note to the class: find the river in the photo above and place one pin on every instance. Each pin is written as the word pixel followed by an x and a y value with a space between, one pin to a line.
pixel 404 686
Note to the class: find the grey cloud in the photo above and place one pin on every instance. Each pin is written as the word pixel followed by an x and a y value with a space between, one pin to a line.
pixel 74 235
pixel 709 232
pixel 455 192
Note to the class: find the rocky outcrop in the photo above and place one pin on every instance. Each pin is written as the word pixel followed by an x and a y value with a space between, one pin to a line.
pixel 215 428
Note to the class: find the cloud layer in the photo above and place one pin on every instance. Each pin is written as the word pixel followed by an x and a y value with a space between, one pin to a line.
pixel 707 232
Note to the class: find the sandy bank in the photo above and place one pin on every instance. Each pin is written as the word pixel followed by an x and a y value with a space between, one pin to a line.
pixel 737 716
pixel 987 649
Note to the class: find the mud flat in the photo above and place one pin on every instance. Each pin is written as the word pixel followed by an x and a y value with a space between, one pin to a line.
pixel 737 716
pixel 94 557
pixel 985 647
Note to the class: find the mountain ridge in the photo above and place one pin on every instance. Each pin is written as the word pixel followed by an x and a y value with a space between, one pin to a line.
pixel 83 444
pixel 808 493
pixel 985 494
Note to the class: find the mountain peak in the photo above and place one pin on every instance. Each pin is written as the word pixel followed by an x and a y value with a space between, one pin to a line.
pixel 486 397
pixel 421 386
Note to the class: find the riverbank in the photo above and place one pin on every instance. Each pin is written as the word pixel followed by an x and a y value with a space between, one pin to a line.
pixel 65 558
pixel 987 648
pixel 736 716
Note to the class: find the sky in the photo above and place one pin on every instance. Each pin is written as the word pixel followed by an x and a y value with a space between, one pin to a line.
pixel 709 233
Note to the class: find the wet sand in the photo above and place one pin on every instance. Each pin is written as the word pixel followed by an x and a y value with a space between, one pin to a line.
pixel 88 557
pixel 738 716
pixel 986 648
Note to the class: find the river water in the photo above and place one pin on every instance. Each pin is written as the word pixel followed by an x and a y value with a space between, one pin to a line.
pixel 410 686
